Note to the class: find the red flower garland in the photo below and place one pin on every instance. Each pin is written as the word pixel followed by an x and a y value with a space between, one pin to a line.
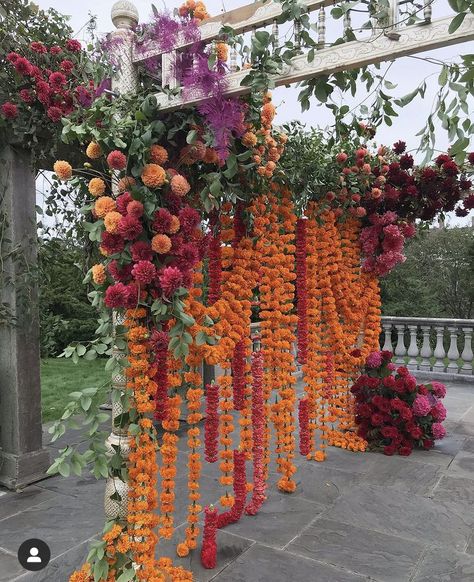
pixel 209 542
pixel 215 262
pixel 301 291
pixel 240 492
pixel 238 375
pixel 303 417
pixel 211 426
pixel 258 422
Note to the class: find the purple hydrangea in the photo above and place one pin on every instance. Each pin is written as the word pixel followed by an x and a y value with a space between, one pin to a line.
pixel 438 430
pixel 421 406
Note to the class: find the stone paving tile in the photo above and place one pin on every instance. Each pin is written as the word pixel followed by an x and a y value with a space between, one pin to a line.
pixel 350 461
pixel 468 416
pixel 403 474
pixel 470 547
pixel 451 444
pixel 454 488
pixel 9 567
pixel 384 557
pixel 462 465
pixel 443 565
pixel 279 520
pixel 465 428
pixel 62 522
pixel 322 484
pixel 263 564
pixel 84 487
pixel 60 567
pixel 468 445
pixel 12 503
pixel 229 547
pixel 412 517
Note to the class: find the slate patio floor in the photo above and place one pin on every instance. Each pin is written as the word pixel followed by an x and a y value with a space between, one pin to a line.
pixel 355 517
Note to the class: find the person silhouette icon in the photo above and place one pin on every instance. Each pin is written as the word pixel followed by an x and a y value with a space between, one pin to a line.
pixel 34 554
pixel 34 558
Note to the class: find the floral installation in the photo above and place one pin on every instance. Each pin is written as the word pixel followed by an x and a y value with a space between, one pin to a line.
pixel 209 542
pixel 240 492
pixel 211 426
pixel 394 413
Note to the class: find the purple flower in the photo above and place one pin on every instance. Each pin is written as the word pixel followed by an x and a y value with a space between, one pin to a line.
pixel 374 360
pixel 438 430
pixel 421 406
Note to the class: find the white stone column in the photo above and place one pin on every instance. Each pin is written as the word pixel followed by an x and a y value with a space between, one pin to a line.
pixel 453 352
pixel 439 351
pixel 413 348
pixel 425 352
pixel 467 351
pixel 400 349
pixel 387 344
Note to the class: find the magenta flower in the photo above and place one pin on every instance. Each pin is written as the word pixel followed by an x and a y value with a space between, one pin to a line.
pixel 421 406
pixel 374 360
pixel 438 430
pixel 439 389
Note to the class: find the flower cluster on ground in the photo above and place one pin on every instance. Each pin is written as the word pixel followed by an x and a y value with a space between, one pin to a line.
pixel 394 413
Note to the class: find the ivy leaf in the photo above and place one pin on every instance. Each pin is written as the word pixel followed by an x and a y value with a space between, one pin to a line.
pixel 456 22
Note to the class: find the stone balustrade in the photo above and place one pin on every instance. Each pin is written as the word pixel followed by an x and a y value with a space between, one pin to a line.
pixel 430 346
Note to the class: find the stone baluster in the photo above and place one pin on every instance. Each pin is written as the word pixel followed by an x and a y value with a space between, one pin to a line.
pixel 233 59
pixel 439 351
pixel 425 351
pixel 125 19
pixel 400 349
pixel 387 345
pixel 427 10
pixel 467 351
pixel 298 35
pixel 393 14
pixel 413 348
pixel 321 27
pixel 169 65
pixel 453 352
pixel 275 35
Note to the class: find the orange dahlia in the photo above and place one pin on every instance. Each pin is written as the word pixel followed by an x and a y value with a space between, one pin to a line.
pixel 179 185
pixel 161 244
pixel 111 222
pixel 249 139
pixel 97 186
pixel 158 155
pixel 93 151
pixel 63 170
pixel 104 205
pixel 125 183
pixel 222 51
pixel 153 176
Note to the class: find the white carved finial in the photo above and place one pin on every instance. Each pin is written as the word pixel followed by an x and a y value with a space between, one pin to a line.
pixel 124 14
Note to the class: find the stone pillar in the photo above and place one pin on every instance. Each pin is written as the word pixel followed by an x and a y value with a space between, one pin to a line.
pixel 22 457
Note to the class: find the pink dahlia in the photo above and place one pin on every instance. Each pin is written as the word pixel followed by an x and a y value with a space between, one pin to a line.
pixel 171 279
pixel 116 160
pixel 38 47
pixel 421 406
pixel 10 110
pixel 66 66
pixel 144 272
pixel 392 239
pixel 55 114
pixel 438 411
pixel 374 360
pixel 135 208
pixel 162 221
pixel 120 274
pixel 112 243
pixel 22 66
pixel 129 227
pixel 439 389
pixel 73 45
pixel 189 219
pixel 117 295
pixel 57 80
pixel 122 202
pixel 438 430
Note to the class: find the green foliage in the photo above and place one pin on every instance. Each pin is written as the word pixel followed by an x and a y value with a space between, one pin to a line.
pixel 437 279
pixel 65 312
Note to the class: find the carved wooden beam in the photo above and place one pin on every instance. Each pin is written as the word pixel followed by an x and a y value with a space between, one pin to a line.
pixel 243 19
pixel 350 55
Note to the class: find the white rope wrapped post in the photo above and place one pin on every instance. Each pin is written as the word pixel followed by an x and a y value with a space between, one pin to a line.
pixel 125 18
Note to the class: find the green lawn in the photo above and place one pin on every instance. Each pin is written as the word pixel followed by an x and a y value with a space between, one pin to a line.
pixel 60 377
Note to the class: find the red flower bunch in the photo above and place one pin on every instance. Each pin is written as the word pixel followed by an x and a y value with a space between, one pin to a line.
pixel 209 542
pixel 240 492
pixel 393 412
pixel 258 422
pixel 211 426
pixel 301 291
pixel 303 418
pixel 47 80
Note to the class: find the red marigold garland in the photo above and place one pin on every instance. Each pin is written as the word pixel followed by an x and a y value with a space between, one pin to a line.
pixel 240 492
pixel 209 541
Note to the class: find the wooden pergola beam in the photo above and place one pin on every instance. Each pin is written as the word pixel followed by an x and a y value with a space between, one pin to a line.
pixel 351 55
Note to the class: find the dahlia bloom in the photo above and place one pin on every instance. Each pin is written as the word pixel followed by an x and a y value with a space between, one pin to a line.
pixel 421 406
pixel 161 244
pixel 438 430
pixel 104 205
pixel 98 274
pixel 171 279
pixel 116 160
pixel 141 251
pixel 63 170
pixel 153 176
pixel 116 295
pixel 158 155
pixel 439 411
pixel 111 222
pixel 10 110
pixel 439 389
pixel 123 201
pixel 144 272
pixel 96 186
pixel 93 151
pixel 180 186
pixel 374 360
pixel 129 227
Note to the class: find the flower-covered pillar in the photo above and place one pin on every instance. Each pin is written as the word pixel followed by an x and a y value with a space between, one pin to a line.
pixel 125 18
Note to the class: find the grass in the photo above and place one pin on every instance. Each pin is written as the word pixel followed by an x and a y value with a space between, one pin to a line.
pixel 60 377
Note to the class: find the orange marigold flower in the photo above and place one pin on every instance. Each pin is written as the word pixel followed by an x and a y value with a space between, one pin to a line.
pixel 97 186
pixel 175 225
pixel 125 183
pixel 182 550
pixel 63 170
pixel 98 274
pixel 82 575
pixel 111 222
pixel 268 112
pixel 113 533
pixel 158 155
pixel 249 139
pixel 104 205
pixel 161 244
pixel 153 176
pixel 179 185
pixel 93 151
pixel 222 51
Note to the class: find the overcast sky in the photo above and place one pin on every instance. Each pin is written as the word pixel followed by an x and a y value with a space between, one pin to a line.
pixel 406 72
